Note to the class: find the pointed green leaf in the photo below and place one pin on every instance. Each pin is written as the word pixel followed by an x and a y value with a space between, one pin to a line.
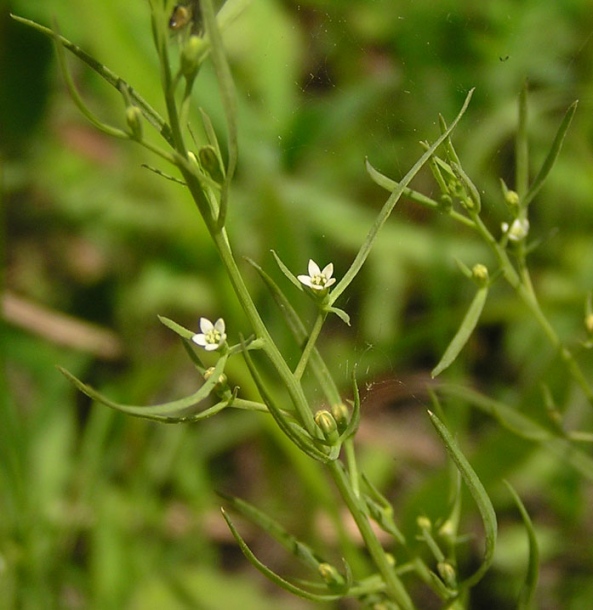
pixel 340 313
pixel 465 330
pixel 552 155
pixel 387 208
pixel 287 272
pixel 159 411
pixel 275 578
pixel 300 550
pixel 478 493
pixel 531 578
pixel 184 333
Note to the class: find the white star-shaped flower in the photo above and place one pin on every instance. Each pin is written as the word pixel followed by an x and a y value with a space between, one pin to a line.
pixel 318 279
pixel 518 230
pixel 212 335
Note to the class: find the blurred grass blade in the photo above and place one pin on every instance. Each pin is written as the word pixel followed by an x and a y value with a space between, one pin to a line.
pixel 268 573
pixel 552 155
pixel 465 330
pixel 522 146
pixel 153 411
pixel 528 589
pixel 478 493
pixel 387 208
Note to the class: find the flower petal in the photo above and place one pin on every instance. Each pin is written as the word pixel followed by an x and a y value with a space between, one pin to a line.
pixel 313 268
pixel 199 339
pixel 205 325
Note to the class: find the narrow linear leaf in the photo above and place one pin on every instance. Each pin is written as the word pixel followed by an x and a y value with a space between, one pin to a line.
pixel 465 330
pixel 294 546
pixel 275 578
pixel 522 146
pixel 531 578
pixel 160 410
pixel 176 328
pixel 552 155
pixel 478 493
pixel 287 272
pixel 389 205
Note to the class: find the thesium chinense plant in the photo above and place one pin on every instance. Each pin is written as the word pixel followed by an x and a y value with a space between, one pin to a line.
pixel 382 566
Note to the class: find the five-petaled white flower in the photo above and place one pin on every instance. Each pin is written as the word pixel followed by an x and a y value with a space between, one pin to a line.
pixel 212 335
pixel 518 230
pixel 318 279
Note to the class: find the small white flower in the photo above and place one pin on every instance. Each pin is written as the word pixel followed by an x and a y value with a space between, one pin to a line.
pixel 212 335
pixel 518 230
pixel 318 279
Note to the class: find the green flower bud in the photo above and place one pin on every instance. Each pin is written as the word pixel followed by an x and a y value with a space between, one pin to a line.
pixel 134 120
pixel 511 199
pixel 480 274
pixel 446 202
pixel 211 163
pixel 330 575
pixel 424 523
pixel 191 55
pixel 447 573
pixel 327 424
pixel 341 415
pixel 447 531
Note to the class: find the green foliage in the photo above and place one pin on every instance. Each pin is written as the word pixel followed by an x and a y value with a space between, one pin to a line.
pixel 283 101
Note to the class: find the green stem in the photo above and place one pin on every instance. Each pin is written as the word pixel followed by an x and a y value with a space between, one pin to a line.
pixel 394 586
pixel 310 345
pixel 352 466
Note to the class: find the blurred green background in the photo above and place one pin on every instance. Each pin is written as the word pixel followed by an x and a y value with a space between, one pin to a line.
pixel 103 511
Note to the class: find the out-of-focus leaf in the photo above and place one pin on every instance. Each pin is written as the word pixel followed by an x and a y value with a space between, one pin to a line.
pixel 465 330
pixel 478 493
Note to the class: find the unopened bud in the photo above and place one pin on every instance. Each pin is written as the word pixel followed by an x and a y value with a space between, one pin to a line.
pixel 190 56
pixel 447 531
pixel 330 575
pixel 327 424
pixel 134 120
pixel 211 163
pixel 511 198
pixel 447 573
pixel 341 414
pixel 480 274
pixel 424 523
